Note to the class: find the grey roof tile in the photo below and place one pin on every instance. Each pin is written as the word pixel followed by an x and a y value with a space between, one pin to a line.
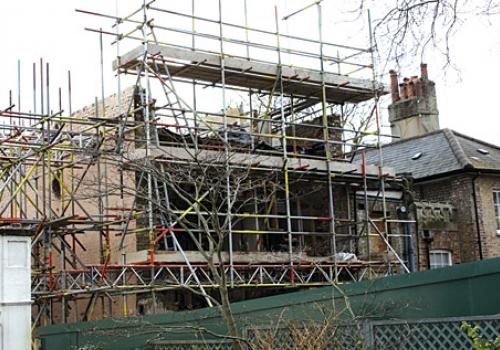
pixel 470 146
pixel 442 151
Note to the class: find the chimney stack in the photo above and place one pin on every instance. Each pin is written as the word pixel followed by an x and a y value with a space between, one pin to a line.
pixel 394 86
pixel 413 111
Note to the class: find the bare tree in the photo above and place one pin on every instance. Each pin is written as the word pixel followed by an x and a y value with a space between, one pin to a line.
pixel 410 28
pixel 333 322
pixel 197 195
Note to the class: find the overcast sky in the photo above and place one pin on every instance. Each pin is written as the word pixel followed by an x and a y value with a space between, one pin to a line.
pixel 31 29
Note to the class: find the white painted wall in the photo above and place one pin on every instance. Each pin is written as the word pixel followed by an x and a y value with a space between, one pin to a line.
pixel 15 293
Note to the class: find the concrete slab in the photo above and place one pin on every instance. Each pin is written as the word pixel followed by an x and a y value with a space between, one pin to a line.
pixel 196 257
pixel 257 160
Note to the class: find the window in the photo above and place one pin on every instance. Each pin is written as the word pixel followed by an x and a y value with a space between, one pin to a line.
pixel 439 258
pixel 417 156
pixel 496 201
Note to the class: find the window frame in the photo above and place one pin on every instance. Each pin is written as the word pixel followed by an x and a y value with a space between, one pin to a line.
pixel 448 253
pixel 496 208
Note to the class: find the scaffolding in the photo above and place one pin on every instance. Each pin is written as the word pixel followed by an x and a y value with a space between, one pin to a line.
pixel 130 196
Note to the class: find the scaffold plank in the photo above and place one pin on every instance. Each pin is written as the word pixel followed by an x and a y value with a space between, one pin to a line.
pixel 248 73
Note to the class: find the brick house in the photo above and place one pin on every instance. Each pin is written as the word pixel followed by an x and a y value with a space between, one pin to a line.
pixel 456 179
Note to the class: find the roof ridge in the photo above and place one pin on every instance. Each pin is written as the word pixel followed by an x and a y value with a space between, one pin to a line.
pixel 457 149
pixel 470 138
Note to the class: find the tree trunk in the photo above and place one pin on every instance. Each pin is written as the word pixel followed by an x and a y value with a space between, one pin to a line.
pixel 227 314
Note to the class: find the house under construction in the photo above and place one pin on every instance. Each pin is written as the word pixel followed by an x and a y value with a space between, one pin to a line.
pixel 148 201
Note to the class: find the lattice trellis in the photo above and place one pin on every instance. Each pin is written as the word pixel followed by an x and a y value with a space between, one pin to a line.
pixel 431 335
pixel 189 345
pixel 334 337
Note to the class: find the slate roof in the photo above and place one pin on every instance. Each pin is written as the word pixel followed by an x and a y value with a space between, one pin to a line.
pixel 442 152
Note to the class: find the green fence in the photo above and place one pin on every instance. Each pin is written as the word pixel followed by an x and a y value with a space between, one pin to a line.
pixel 431 334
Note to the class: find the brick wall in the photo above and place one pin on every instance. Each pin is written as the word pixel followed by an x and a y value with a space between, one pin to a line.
pixel 463 243
pixel 490 239
pixel 111 105
pixel 88 250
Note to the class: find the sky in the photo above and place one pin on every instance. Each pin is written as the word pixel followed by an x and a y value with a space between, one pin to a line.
pixel 52 30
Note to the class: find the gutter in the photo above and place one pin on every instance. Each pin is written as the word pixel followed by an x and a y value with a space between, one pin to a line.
pixel 476 214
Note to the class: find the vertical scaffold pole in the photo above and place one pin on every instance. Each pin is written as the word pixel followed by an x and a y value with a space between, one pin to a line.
pixel 20 126
pixel 49 179
pixel 30 122
pixel 45 246
pixel 123 258
pixel 285 151
pixel 193 82
pixel 226 148
pixel 147 122
pixel 250 107
pixel 72 174
pixel 326 139
pixel 379 143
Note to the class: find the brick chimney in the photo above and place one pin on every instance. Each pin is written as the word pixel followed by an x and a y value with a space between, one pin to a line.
pixel 413 111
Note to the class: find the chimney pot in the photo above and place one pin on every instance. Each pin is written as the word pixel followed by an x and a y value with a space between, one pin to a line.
pixel 423 71
pixel 402 91
pixel 419 91
pixel 394 86
pixel 410 90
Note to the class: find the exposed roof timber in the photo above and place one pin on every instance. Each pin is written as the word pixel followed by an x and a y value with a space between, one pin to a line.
pixel 288 110
pixel 250 74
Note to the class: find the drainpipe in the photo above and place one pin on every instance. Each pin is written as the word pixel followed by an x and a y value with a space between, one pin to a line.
pixel 409 246
pixel 476 213
pixel 427 237
pixel 428 253
pixel 417 240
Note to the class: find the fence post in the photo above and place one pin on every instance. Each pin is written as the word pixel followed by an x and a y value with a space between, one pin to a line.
pixel 367 336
